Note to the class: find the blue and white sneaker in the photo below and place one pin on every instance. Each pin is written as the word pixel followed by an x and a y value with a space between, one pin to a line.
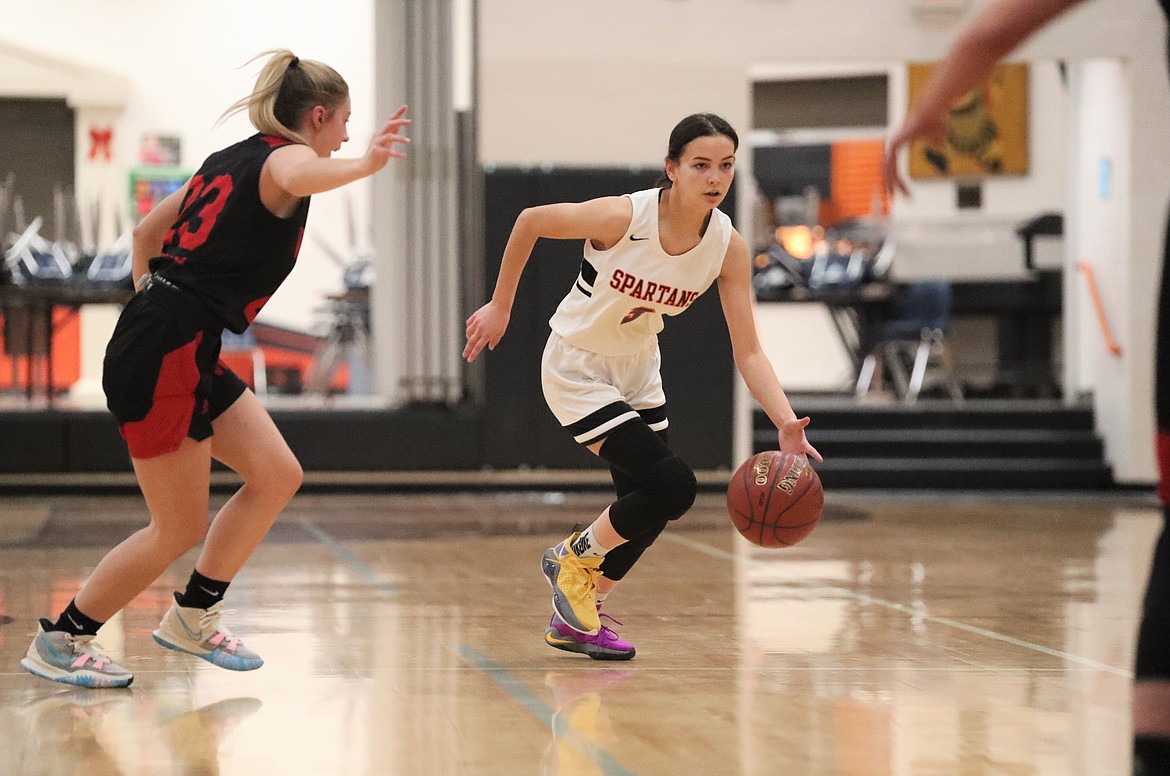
pixel 198 632
pixel 63 657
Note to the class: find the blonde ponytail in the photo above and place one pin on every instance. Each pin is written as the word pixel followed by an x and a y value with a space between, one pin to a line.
pixel 286 88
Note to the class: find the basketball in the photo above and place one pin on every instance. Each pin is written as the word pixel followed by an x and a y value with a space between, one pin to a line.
pixel 775 499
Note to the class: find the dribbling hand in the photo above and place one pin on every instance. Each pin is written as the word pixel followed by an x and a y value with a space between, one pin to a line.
pixel 485 327
pixel 792 439
pixel 381 148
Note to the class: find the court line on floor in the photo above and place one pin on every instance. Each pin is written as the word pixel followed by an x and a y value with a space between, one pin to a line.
pixel 562 728
pixel 913 611
pixel 350 559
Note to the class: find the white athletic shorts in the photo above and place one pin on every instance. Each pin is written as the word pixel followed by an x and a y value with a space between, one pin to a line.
pixel 592 395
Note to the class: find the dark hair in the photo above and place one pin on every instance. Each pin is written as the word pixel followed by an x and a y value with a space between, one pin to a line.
pixel 693 126
pixel 287 87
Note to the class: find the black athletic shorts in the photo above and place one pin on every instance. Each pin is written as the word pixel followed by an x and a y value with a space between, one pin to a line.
pixel 162 375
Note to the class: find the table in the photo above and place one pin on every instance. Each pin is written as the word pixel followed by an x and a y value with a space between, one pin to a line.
pixel 1024 310
pixel 33 305
pixel 853 309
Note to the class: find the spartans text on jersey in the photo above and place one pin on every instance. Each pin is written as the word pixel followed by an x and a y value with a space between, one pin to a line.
pixel 649 291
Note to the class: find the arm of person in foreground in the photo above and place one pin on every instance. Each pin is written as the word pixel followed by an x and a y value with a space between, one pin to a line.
pixel 980 45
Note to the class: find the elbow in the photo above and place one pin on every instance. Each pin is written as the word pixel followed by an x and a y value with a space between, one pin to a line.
pixel 141 233
pixel 147 241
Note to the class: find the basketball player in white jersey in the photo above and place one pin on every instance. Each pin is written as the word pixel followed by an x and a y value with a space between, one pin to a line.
pixel 647 255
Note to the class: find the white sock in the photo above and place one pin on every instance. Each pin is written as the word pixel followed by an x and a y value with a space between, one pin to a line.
pixel 587 546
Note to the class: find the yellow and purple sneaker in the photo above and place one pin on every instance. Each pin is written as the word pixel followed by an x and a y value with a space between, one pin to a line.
pixel 604 645
pixel 574 583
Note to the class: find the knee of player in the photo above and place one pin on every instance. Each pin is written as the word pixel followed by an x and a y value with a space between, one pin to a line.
pixel 180 535
pixel 279 479
pixel 674 486
pixel 290 477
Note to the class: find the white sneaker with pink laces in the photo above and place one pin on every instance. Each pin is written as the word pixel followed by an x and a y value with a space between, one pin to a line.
pixel 198 632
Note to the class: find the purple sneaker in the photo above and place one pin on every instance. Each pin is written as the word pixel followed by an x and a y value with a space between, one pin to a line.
pixel 604 645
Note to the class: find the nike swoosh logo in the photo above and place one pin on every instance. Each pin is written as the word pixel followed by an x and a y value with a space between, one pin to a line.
pixel 209 592
pixel 76 624
pixel 638 239
pixel 193 635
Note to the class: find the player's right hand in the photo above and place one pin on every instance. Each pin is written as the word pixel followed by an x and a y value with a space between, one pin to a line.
pixel 381 148
pixel 485 327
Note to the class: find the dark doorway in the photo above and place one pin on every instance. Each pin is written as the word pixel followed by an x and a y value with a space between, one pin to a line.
pixel 37 147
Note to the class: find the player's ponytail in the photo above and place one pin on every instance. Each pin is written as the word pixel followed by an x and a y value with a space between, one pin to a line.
pixel 286 88
pixel 693 126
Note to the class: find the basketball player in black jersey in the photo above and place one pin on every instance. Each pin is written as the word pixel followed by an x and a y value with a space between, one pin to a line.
pixel 982 43
pixel 207 258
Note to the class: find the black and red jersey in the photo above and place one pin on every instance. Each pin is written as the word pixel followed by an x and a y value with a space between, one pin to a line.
pixel 226 248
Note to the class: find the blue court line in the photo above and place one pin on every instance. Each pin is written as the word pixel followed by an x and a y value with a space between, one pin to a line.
pixel 350 559
pixel 913 611
pixel 562 729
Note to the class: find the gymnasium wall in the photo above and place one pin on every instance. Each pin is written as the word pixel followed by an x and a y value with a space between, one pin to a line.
pixel 185 65
pixel 601 84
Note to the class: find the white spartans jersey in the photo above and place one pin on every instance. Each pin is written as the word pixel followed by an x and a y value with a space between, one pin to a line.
pixel 616 306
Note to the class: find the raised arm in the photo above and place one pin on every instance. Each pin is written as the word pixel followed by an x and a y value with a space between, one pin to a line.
pixel 299 171
pixel 980 45
pixel 603 221
pixel 735 294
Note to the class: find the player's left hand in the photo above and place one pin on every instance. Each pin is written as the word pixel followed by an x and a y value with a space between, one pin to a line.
pixel 792 439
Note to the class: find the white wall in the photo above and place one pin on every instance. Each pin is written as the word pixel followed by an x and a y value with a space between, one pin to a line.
pixel 602 82
pixel 936 239
pixel 183 63
pixel 566 81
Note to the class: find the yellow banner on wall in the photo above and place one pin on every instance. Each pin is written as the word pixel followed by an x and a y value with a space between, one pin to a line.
pixel 987 128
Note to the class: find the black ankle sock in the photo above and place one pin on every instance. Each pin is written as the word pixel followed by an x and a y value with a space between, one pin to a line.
pixel 73 621
pixel 202 592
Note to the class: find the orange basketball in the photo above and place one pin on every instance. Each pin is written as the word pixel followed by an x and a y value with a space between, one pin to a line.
pixel 775 499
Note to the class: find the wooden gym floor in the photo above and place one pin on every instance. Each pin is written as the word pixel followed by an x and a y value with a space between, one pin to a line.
pixel 910 634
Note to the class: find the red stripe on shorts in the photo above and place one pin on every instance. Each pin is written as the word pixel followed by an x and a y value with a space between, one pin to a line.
pixel 166 425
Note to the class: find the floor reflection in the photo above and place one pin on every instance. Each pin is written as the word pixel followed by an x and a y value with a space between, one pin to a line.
pixel 582 731
pixel 938 637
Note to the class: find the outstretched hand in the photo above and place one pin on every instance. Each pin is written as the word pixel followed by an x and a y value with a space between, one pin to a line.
pixel 930 129
pixel 485 327
pixel 381 148
pixel 793 440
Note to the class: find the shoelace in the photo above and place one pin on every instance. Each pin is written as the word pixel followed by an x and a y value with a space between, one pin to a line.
pixel 591 571
pixel 605 628
pixel 209 622
pixel 86 650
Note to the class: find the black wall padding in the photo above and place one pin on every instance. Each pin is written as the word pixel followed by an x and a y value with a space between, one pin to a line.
pixel 519 429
